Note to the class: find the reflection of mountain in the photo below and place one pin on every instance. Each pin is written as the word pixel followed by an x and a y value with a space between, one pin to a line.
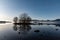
pixel 21 28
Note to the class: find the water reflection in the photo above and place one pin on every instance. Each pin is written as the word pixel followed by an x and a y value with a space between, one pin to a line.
pixel 22 28
pixel 27 28
pixel 57 25
pixel 30 32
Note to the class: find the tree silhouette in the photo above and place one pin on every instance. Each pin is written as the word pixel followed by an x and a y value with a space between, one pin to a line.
pixel 15 19
pixel 24 18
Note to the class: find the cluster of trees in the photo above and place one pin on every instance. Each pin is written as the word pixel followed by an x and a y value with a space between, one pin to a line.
pixel 23 18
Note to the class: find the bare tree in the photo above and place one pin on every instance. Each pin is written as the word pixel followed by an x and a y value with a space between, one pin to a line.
pixel 15 19
pixel 24 18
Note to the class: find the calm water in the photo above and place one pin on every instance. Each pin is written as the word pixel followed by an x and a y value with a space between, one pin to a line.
pixel 16 32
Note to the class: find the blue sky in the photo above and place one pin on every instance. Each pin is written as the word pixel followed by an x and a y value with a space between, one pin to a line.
pixel 37 9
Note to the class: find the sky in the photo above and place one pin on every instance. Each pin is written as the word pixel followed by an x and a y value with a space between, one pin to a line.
pixel 37 9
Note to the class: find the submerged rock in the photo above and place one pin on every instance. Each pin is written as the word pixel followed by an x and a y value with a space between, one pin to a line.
pixel 36 31
pixel 56 29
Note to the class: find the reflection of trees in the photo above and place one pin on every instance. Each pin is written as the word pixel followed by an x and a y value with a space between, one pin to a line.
pixel 21 28
pixel 15 27
pixel 25 27
pixel 57 25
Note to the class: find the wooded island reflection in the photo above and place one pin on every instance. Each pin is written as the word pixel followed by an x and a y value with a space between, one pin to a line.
pixel 22 28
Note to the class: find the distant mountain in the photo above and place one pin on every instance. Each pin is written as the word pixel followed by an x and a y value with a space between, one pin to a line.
pixel 5 22
pixel 57 20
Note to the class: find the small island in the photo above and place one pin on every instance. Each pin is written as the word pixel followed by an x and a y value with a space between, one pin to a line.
pixel 25 19
pixel 22 19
